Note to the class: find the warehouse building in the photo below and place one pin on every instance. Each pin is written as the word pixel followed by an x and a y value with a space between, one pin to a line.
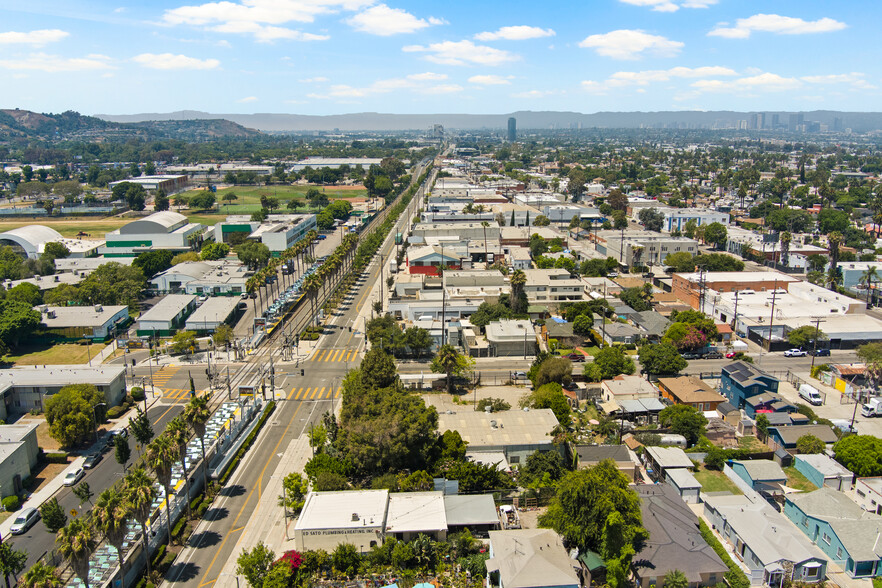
pixel 167 316
pixel 170 184
pixel 161 230
pixel 96 322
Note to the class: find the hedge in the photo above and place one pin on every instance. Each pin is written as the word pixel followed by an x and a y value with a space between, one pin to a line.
pixel 270 407
pixel 56 457
pixel 735 577
pixel 11 503
pixel 137 393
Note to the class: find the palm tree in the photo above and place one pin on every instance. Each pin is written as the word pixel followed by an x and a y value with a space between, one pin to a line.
pixel 41 576
pixel 835 240
pixel 312 285
pixel 484 225
pixel 140 494
pixel 196 414
pixel 518 281
pixel 111 515
pixel 160 456
pixel 447 359
pixel 868 278
pixel 786 238
pixel 179 433
pixel 76 542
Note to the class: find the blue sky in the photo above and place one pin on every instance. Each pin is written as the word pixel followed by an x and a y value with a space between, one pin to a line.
pixel 482 56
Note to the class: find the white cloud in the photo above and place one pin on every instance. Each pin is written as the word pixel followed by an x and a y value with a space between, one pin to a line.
pixel 774 23
pixel 631 44
pixel 35 38
pixel 490 80
pixel 534 94
pixel 427 76
pixel 854 79
pixel 515 33
pixel 442 89
pixel 262 18
pixel 247 99
pixel 462 53
pixel 120 10
pixel 412 82
pixel 764 82
pixel 384 21
pixel 670 5
pixel 644 78
pixel 55 63
pixel 316 80
pixel 169 61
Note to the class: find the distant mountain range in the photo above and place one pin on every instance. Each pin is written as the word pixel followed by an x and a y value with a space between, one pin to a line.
pixel 859 122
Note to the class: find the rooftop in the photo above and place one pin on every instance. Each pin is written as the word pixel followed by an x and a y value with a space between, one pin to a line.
pixel 670 457
pixel 61 375
pixel 596 453
pixel 344 510
pixel 416 511
pixel 530 558
pixel 168 308
pixel 683 478
pixel 825 464
pixel 500 429
pixel 763 470
pixel 857 529
pixel 56 317
pixel 791 434
pixel 214 310
pixel 689 389
pixel 475 509
pixel 510 330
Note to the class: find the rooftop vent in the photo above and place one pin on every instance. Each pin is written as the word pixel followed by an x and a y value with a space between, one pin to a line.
pixel 355 516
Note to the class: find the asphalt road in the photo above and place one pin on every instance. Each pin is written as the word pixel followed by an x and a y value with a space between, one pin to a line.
pixel 38 541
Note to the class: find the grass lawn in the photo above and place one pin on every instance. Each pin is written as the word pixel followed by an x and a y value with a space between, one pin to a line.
pixel 252 194
pixel 62 353
pixel 70 226
pixel 796 480
pixel 714 481
pixel 751 443
pixel 590 350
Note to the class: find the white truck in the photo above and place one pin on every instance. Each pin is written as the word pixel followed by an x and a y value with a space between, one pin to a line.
pixel 811 394
pixel 872 408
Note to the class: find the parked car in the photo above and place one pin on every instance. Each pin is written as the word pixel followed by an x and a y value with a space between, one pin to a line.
pixel 203 298
pixel 519 375
pixel 731 354
pixel 244 296
pixel 612 275
pixel 691 355
pixel 24 521
pixel 92 461
pixel 322 237
pixel 820 352
pixel 795 353
pixel 575 356
pixel 713 355
pixel 73 477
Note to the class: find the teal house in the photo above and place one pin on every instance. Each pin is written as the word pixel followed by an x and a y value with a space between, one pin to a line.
pixel 846 533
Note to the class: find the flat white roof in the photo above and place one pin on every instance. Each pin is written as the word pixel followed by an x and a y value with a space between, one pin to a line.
pixel 416 511
pixel 214 310
pixel 344 510
pixel 168 308
pixel 61 375
pixel 500 429
pixel 670 457
pixel 78 316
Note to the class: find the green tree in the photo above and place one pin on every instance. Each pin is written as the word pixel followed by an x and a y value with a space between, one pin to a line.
pixel 294 488
pixel 871 355
pixel 70 413
pixel 675 579
pixel 41 576
pixel 652 219
pixel 451 362
pixel 551 396
pixel 255 564
pixel 419 340
pixel 140 492
pixel 25 292
pixel 197 414
pixel 716 234
pixel 345 558
pixel 113 283
pixel 61 295
pixel 203 200
pixel 12 562
pixel 160 456
pixel 475 477
pixel 451 446
pixel 111 515
pixel 83 492
pixel 557 370
pixel 584 501
pixel 160 201
pixel 684 420
pixel 253 254
pixel 213 251
pixel 141 430
pixel 17 321
pixel 378 369
pixel 153 262
pixel 53 515
pixel 122 451
pixel 804 336
pixel 661 359
pixel 541 221
pixel 541 469
pixel 810 444
pixel 76 542
pixel 223 335
pixel 613 361
pixel 183 342
pixel 762 425
pixel 862 454
pixel 488 312
pixel 56 250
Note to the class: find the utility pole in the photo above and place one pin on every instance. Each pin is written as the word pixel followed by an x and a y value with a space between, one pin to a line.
pixel 772 314
pixel 229 389
pixel 443 302
pixel 817 322
pixel 735 318
pixel 272 375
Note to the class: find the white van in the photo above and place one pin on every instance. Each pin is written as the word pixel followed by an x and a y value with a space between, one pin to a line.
pixel 810 394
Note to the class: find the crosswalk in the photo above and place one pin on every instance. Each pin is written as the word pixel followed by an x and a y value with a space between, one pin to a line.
pixel 320 393
pixel 161 378
pixel 174 394
pixel 333 355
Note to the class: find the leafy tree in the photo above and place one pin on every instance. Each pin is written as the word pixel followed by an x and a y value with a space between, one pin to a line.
pixel 810 444
pixel 719 262
pixel 113 283
pixel 716 233
pixel 541 221
pixel 637 298
pixel 419 340
pixel 541 469
pixel 160 201
pixel 253 254
pixel 551 396
pixel 70 413
pixel 183 342
pixel 488 312
pixel 661 359
pixel 294 488
pixel 816 262
pixel 682 261
pixel 213 251
pixel 805 335
pixel 345 558
pixel 613 361
pixel 122 451
pixel 324 463
pixel 862 454
pixel 557 370
pixel 871 355
pixel 583 324
pixel 61 295
pixel 53 515
pixel 76 542
pixel 255 564
pixel 203 200
pixel 222 335
pixel 25 292
pixel 684 420
pixel 676 579
pixel 830 220
pixel 451 362
pixel 153 262
pixel 83 492
pixel 378 369
pixel 56 250
pixel 12 561
pixel 685 336
pixel 141 429
pixel 584 501
pixel 188 256
pixel 475 477
pixel 17 321
pixel 762 425
pixel 652 219
pixel 451 446
pixel 330 482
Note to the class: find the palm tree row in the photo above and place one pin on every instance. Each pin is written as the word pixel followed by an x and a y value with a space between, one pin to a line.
pixel 296 253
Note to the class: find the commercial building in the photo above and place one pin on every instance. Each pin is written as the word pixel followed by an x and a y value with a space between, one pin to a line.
pixel 223 277
pixel 688 286
pixel 426 232
pixel 846 533
pixel 531 558
pixel 642 247
pixel 429 258
pixel 764 541
pixel 335 163
pixel 170 184
pixel 96 322
pixel 19 453
pixel 161 230
pixel 690 390
pixel 515 433
pixel 512 134
pixel 278 232
pixel 511 337
pixel 674 543
pixel 213 313
pixel 676 218
pixel 167 316
pixel 25 388
pixel 30 241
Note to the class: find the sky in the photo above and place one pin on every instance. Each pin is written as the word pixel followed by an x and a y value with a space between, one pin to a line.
pixel 482 56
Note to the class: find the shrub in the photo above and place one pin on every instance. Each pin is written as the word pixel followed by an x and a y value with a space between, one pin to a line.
pixel 11 503
pixel 138 394
pixel 735 577
pixel 56 457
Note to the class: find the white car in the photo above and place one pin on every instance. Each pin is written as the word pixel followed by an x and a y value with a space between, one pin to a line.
pixel 25 519
pixel 73 477
pixel 795 353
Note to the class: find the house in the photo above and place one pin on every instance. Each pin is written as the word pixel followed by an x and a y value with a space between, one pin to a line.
pixel 531 558
pixel 19 453
pixel 660 460
pixel 620 333
pixel 764 541
pixel 553 286
pixel 625 387
pixel 511 337
pixel 764 476
pixel 690 390
pixel 824 471
pixel 729 413
pixel 868 492
pixel 590 455
pixel 786 437
pixel 767 403
pixel 675 541
pixel 96 322
pixel 653 324
pixel 740 380
pixel 845 532
pixel 563 334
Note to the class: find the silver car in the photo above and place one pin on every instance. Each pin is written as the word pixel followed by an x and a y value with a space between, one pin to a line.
pixel 24 521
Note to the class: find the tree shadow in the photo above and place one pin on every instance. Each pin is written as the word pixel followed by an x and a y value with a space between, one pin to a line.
pixel 204 539
pixel 182 572
pixel 215 514
pixel 231 491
